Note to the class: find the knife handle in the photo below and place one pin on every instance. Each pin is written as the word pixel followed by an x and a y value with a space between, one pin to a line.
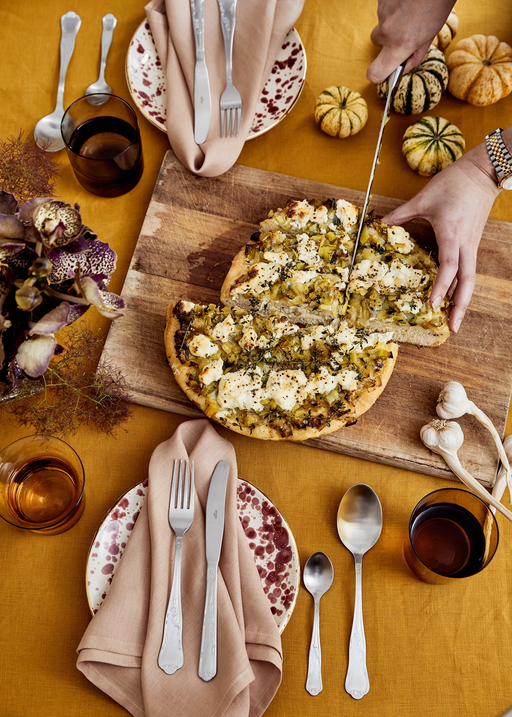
pixel 208 657
pixel 197 11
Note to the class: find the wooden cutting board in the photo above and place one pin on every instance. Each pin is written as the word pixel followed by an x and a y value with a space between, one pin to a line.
pixel 193 228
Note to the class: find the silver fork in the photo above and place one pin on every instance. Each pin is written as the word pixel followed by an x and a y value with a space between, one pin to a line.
pixel 181 514
pixel 230 100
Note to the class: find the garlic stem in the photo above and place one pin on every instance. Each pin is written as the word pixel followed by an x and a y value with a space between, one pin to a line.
pixel 501 479
pixel 445 438
pixel 455 465
pixel 484 420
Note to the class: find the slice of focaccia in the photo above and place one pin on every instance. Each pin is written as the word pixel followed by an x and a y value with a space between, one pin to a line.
pixel 271 379
pixel 298 266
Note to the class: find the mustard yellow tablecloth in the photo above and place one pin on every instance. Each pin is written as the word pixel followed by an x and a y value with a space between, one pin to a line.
pixel 432 651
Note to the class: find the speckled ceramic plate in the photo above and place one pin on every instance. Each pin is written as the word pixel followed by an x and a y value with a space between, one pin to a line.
pixel 269 537
pixel 146 81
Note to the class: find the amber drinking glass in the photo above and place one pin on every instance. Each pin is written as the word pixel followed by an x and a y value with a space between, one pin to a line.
pixel 452 534
pixel 103 144
pixel 41 485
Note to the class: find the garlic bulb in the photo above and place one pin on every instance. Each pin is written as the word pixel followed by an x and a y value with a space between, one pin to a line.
pixel 445 438
pixel 454 403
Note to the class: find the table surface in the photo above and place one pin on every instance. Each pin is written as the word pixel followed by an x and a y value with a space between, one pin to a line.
pixel 432 651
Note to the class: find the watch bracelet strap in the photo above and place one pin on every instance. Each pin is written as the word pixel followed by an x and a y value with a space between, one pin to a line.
pixel 499 154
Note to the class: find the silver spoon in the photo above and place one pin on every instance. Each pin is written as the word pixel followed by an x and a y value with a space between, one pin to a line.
pixel 318 577
pixel 101 86
pixel 359 526
pixel 47 131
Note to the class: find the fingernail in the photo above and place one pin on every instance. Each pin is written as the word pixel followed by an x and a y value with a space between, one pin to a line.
pixel 456 325
pixel 436 301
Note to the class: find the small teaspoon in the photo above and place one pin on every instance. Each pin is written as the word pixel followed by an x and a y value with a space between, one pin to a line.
pixel 318 577
pixel 101 86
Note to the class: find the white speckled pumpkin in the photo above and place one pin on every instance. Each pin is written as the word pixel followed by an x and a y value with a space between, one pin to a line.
pixel 447 32
pixel 431 144
pixel 421 88
pixel 480 70
pixel 341 112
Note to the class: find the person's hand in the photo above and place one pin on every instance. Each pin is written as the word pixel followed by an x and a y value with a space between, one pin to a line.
pixel 456 202
pixel 405 32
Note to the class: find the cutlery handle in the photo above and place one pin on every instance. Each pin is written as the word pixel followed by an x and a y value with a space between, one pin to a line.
pixel 109 22
pixel 208 657
pixel 69 26
pixel 170 658
pixel 357 683
pixel 314 679
pixel 227 23
pixel 197 11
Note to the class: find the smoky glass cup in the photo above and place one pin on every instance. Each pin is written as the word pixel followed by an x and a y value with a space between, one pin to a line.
pixel 42 484
pixel 453 534
pixel 102 138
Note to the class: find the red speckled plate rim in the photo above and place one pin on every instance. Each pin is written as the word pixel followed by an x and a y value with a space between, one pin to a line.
pixel 299 84
pixel 294 563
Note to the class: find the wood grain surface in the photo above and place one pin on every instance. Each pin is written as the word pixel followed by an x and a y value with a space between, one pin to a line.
pixel 193 228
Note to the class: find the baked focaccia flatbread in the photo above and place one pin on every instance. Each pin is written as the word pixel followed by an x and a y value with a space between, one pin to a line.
pixel 268 378
pixel 299 266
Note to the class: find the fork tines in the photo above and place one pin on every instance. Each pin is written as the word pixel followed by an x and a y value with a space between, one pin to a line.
pixel 230 120
pixel 182 486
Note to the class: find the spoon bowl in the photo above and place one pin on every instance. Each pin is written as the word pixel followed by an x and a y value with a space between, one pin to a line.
pixel 318 576
pixel 47 133
pixel 359 524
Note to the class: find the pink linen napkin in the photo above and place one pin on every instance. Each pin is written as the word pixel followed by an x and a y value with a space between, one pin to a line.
pixel 120 647
pixel 261 26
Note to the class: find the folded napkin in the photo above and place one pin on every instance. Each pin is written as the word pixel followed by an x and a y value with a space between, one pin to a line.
pixel 261 26
pixel 120 647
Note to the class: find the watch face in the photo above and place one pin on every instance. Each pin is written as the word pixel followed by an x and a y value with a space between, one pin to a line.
pixel 506 183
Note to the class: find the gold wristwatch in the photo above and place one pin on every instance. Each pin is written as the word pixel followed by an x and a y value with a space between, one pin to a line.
pixel 500 158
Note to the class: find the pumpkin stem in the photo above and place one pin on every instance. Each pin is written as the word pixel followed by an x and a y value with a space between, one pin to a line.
pixel 343 103
pixel 486 62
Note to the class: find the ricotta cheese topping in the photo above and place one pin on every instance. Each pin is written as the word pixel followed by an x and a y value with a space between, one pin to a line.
pixel 286 387
pixel 410 303
pixel 304 276
pixel 261 276
pixel 212 372
pixel 307 251
pixel 400 239
pixel 347 213
pixel 386 278
pixel 281 258
pixel 251 340
pixel 223 329
pixel 241 389
pixel 201 346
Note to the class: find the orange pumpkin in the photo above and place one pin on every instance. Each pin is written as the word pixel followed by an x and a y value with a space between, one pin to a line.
pixel 480 70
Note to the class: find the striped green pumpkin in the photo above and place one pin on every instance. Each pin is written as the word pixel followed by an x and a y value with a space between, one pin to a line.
pixel 431 144
pixel 421 88
pixel 340 111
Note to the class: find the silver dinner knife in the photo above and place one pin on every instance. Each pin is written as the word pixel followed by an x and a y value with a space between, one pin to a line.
pixel 202 99
pixel 393 81
pixel 215 509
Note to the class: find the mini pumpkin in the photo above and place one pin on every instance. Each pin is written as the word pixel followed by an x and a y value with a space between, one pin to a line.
pixel 431 144
pixel 420 89
pixel 341 112
pixel 480 70
pixel 447 32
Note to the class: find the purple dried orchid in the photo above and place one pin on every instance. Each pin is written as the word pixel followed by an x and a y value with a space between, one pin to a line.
pixel 52 268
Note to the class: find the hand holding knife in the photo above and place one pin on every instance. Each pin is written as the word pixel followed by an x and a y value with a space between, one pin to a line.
pixel 215 510
pixel 393 82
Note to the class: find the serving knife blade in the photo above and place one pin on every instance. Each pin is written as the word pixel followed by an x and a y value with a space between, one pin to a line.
pixel 215 510
pixel 393 82
pixel 202 97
